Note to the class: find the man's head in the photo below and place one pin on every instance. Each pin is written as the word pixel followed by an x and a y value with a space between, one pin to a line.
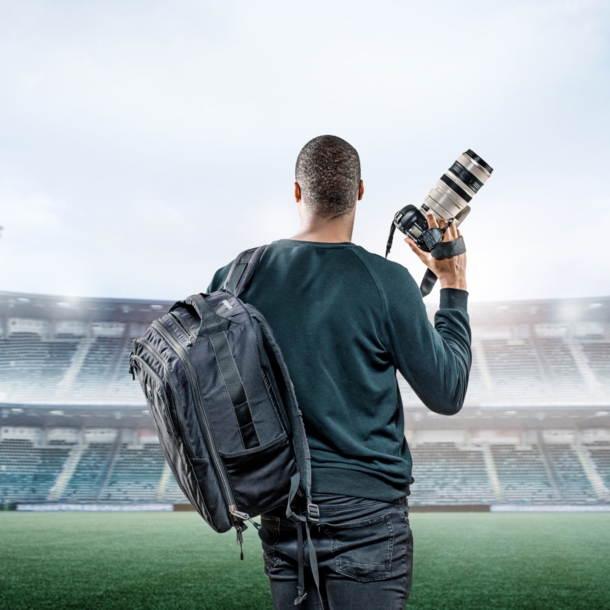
pixel 328 176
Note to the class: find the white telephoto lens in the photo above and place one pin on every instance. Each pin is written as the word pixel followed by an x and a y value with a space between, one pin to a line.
pixel 451 195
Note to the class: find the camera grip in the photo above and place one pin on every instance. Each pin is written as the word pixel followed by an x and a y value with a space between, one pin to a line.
pixel 444 249
pixel 447 249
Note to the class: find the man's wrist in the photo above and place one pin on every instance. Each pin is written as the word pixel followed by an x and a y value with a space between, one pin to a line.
pixel 457 283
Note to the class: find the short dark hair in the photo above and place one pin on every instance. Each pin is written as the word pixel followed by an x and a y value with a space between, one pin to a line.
pixel 328 173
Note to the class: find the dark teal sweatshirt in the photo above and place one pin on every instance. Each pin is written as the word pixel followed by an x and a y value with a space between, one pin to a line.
pixel 346 320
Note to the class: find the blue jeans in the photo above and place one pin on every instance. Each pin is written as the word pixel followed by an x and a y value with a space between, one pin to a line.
pixel 364 550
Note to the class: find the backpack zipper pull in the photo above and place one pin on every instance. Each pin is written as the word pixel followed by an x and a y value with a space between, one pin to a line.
pixel 240 541
pixel 243 516
pixel 238 514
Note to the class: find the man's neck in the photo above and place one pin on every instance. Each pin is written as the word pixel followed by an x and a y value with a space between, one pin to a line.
pixel 334 230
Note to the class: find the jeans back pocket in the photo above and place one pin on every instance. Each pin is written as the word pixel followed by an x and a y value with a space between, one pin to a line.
pixel 363 549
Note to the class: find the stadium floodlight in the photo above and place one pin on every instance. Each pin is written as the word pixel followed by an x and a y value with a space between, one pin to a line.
pixel 570 311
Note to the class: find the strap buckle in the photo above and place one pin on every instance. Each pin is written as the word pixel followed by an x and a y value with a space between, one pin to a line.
pixel 313 512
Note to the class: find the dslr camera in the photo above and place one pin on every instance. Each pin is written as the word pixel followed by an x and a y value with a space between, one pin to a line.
pixel 448 200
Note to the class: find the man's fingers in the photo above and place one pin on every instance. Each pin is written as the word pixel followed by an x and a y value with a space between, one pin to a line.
pixel 453 231
pixel 431 218
pixel 412 245
pixel 420 253
pixel 449 234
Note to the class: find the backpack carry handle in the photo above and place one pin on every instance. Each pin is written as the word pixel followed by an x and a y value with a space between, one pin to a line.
pixel 210 320
pixel 239 275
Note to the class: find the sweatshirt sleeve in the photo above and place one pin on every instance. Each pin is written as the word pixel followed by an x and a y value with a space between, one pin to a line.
pixel 435 360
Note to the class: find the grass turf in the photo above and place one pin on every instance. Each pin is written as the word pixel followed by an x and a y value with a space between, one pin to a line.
pixel 111 561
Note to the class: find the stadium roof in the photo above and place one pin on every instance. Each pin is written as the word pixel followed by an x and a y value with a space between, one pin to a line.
pixel 59 351
pixel 54 307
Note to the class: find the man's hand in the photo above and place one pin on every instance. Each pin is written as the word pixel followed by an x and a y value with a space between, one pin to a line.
pixel 451 272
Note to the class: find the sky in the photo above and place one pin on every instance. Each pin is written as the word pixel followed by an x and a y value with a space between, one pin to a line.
pixel 144 144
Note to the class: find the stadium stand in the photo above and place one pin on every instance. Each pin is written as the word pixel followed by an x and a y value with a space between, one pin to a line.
pixel 598 356
pixel 561 369
pixel 600 455
pixel 569 474
pixel 98 366
pixel 136 474
pixel 535 429
pixel 30 367
pixel 88 479
pixel 27 472
pixel 444 472
pixel 172 492
pixel 447 474
pixel 523 474
pixel 515 369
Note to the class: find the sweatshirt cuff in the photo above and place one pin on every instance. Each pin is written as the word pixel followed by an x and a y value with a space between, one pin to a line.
pixel 452 298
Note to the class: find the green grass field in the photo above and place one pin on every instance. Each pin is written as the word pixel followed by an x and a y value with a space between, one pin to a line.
pixel 174 561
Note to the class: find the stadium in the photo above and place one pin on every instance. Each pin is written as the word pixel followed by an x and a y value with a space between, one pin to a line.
pixel 535 430
pixel 144 145
pixel 510 502
pixel 95 512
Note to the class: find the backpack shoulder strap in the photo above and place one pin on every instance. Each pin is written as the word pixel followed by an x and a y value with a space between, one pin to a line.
pixel 242 270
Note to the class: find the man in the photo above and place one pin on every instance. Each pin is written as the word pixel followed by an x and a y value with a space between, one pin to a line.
pixel 346 321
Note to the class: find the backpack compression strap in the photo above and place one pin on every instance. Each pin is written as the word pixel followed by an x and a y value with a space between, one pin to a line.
pixel 242 270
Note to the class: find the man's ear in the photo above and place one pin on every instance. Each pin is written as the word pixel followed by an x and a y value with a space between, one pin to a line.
pixel 297 192
pixel 360 190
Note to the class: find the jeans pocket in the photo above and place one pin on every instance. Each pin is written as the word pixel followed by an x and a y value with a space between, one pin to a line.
pixel 269 531
pixel 363 549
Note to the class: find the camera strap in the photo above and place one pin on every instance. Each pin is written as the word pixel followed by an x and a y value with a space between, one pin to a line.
pixel 448 249
pixel 443 249
pixel 427 283
pixel 388 246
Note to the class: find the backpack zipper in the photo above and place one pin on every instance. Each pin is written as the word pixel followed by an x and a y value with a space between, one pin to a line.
pixel 148 347
pixel 274 400
pixel 191 338
pixel 144 365
pixel 160 327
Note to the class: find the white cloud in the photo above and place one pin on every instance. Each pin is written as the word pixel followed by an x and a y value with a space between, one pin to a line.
pixel 150 130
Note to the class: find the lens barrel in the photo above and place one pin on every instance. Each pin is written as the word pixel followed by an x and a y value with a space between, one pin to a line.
pixel 457 186
pixel 448 200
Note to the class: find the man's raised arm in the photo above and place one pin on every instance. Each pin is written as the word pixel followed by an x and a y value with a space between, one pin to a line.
pixel 434 360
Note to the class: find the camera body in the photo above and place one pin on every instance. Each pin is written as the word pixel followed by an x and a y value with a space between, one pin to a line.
pixel 413 223
pixel 448 200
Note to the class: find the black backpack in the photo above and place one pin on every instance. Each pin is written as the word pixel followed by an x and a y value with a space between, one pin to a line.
pixel 224 407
